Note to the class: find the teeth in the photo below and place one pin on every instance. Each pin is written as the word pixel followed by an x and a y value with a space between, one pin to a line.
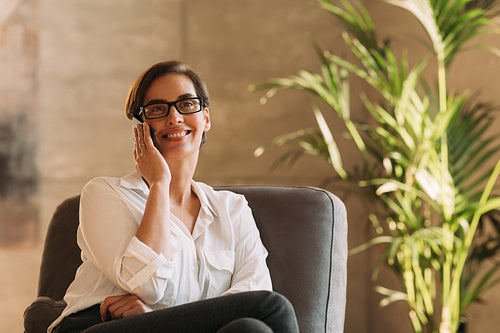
pixel 177 135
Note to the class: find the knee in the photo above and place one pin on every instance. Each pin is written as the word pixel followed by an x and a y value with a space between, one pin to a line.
pixel 244 325
pixel 280 315
pixel 279 301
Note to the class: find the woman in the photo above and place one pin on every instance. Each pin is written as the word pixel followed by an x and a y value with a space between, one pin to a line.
pixel 161 252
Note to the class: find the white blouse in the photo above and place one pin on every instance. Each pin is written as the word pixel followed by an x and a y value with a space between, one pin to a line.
pixel 224 254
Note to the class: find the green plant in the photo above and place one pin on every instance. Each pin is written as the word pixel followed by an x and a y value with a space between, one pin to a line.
pixel 426 154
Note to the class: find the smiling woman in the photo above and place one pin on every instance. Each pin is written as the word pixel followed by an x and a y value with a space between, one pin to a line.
pixel 135 101
pixel 184 123
pixel 160 251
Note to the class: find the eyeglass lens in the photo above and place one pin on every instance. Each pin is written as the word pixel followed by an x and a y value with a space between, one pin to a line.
pixel 184 106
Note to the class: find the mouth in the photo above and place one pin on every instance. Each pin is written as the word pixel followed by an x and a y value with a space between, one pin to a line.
pixel 176 135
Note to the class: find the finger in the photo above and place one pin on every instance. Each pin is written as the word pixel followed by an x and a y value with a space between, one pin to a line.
pixel 126 304
pixel 136 143
pixel 138 309
pixel 104 308
pixel 133 307
pixel 136 136
pixel 140 130
pixel 141 142
pixel 143 133
pixel 113 304
pixel 109 304
pixel 124 309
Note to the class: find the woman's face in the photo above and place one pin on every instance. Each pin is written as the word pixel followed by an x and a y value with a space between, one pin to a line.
pixel 178 135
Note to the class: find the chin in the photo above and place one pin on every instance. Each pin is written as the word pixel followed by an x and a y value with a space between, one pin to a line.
pixel 178 154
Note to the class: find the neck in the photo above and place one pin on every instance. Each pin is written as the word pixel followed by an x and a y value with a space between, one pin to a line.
pixel 182 172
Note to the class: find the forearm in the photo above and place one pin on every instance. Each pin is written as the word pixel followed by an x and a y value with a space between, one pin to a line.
pixel 154 229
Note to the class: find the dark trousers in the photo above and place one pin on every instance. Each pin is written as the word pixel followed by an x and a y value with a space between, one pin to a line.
pixel 256 311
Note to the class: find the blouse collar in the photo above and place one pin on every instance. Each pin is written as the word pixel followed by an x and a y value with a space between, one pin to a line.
pixel 134 181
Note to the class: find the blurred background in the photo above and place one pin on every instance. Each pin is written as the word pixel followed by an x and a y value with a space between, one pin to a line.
pixel 65 70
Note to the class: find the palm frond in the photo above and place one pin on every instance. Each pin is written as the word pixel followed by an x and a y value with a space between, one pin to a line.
pixel 471 149
pixel 426 152
pixel 449 24
pixel 355 19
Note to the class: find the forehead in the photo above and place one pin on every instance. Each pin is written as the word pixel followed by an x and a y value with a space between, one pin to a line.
pixel 170 87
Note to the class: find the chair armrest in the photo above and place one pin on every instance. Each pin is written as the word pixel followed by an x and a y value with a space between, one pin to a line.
pixel 41 313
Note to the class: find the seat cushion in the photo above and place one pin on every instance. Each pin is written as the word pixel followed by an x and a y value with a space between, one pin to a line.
pixel 303 228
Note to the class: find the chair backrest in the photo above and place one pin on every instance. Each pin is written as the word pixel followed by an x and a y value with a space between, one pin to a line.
pixel 303 228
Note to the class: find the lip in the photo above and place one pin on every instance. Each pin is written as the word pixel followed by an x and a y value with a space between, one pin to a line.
pixel 175 134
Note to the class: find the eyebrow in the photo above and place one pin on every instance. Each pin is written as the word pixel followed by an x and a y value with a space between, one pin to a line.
pixel 188 95
pixel 183 96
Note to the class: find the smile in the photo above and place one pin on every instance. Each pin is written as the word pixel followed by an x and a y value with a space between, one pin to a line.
pixel 176 135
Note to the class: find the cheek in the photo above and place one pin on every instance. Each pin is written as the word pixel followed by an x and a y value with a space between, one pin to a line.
pixel 202 123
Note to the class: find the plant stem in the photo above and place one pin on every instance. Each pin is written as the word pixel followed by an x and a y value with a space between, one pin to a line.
pixel 448 310
pixel 462 254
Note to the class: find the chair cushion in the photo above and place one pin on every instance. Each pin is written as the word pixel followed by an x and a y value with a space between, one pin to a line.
pixel 305 231
pixel 303 228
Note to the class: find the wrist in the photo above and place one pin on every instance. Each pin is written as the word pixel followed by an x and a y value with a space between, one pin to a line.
pixel 161 187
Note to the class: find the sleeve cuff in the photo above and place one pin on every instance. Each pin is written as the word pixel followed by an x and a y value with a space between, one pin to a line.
pixel 154 265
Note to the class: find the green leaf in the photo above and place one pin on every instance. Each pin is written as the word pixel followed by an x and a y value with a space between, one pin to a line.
pixel 355 20
pixel 335 158
pixel 391 296
pixel 485 283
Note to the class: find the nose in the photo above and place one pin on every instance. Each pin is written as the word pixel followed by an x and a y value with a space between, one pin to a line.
pixel 174 117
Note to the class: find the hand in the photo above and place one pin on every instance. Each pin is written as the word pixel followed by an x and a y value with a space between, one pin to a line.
pixel 148 160
pixel 123 306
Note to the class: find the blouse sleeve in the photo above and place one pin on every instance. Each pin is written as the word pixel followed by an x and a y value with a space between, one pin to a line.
pixel 106 236
pixel 250 272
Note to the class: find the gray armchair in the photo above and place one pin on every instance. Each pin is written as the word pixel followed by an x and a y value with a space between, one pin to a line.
pixel 303 228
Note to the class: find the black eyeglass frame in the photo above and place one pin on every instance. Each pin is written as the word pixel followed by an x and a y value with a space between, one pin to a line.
pixel 170 104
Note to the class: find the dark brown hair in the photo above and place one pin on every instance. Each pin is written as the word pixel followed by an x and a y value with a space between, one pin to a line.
pixel 141 85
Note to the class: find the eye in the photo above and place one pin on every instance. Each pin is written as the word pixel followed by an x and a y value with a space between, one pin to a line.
pixel 157 108
pixel 187 103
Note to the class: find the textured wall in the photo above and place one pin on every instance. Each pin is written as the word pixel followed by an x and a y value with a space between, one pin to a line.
pixel 18 119
pixel 90 52
pixel 89 57
pixel 18 170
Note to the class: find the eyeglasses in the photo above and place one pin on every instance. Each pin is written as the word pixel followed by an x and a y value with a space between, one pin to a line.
pixel 160 109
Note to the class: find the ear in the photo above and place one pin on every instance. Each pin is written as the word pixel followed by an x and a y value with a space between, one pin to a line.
pixel 206 118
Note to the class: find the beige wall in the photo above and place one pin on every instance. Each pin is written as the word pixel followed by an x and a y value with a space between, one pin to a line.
pixel 92 50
